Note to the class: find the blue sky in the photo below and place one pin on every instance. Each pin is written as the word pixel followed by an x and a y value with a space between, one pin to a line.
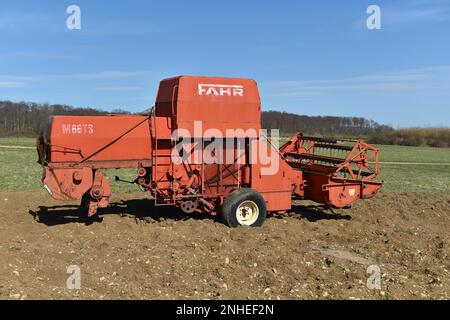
pixel 308 57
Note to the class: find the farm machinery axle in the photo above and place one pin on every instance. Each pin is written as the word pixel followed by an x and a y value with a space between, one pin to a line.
pixel 201 149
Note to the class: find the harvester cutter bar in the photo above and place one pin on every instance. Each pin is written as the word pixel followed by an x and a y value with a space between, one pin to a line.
pixel 333 146
pixel 317 139
pixel 317 157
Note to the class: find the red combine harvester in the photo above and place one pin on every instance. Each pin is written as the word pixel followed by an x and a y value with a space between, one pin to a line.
pixel 201 149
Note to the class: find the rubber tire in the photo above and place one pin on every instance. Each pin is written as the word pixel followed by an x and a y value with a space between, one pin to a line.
pixel 233 201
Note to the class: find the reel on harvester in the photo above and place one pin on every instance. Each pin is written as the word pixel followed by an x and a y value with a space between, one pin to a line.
pixel 357 161
pixel 333 173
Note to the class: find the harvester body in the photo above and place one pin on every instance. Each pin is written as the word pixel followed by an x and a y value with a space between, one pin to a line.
pixel 200 145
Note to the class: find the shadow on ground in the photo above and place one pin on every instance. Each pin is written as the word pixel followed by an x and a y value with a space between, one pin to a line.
pixel 144 210
pixel 315 213
pixel 140 209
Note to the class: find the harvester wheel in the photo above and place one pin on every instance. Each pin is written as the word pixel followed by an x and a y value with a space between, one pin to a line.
pixel 244 207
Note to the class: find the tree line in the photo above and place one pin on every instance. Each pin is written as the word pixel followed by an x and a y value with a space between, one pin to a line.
pixel 290 123
pixel 31 118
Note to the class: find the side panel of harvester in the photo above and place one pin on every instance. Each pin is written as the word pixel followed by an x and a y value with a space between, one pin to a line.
pixel 73 138
pixel 276 187
pixel 76 147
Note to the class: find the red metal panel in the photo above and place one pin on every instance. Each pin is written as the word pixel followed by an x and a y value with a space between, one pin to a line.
pixel 219 103
pixel 276 188
pixel 163 107
pixel 73 138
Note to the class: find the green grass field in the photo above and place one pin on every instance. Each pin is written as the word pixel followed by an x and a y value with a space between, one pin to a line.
pixel 20 170
pixel 414 154
pixel 431 176
pixel 429 173
pixel 12 141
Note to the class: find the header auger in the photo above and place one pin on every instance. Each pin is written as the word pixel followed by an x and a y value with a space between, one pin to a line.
pixel 201 149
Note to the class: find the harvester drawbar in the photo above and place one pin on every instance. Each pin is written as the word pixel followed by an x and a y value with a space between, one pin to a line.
pixel 201 149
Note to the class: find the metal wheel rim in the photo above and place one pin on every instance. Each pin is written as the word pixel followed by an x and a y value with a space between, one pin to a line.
pixel 188 206
pixel 247 213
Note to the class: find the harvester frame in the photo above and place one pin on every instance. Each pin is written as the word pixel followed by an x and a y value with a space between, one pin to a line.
pixel 242 189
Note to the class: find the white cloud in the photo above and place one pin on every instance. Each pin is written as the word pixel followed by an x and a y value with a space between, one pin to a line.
pixel 126 27
pixel 407 13
pixel 100 75
pixel 119 88
pixel 26 20
pixel 37 55
pixel 415 11
pixel 81 76
pixel 415 15
pixel 24 81
pixel 430 79
pixel 12 84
